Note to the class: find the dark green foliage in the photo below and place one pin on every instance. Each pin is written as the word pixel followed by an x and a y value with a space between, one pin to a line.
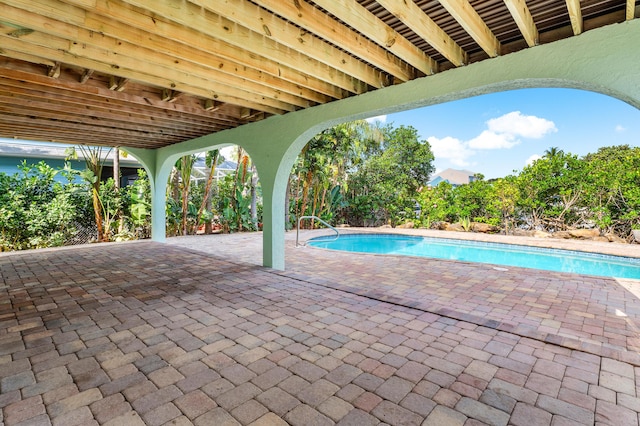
pixel 36 210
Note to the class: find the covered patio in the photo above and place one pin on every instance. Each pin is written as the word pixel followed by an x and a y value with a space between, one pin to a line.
pixel 218 330
pixel 145 333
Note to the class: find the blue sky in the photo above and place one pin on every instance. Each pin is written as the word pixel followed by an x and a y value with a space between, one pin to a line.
pixel 498 133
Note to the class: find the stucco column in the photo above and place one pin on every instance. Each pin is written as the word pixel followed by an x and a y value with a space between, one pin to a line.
pixel 158 167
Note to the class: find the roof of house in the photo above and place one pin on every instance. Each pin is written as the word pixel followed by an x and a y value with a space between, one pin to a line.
pixel 453 176
pixel 45 151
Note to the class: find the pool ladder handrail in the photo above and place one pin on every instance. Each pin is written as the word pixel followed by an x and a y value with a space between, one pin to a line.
pixel 319 220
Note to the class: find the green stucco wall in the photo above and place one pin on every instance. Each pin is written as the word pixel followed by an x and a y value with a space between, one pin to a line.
pixel 605 60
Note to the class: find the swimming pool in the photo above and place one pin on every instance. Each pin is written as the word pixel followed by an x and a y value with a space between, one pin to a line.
pixel 482 252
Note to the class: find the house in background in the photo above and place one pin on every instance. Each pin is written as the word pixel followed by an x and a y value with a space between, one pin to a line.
pixel 453 177
pixel 13 154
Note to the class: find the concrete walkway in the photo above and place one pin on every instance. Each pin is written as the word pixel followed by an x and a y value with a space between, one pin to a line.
pixel 195 332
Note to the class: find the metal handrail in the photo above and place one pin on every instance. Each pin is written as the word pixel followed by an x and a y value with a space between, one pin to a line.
pixel 319 220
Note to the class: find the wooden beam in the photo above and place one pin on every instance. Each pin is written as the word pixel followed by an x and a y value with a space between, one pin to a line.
pixel 211 105
pixel 233 75
pixel 358 17
pixel 161 77
pixel 413 17
pixel 169 95
pixel 92 95
pixel 316 22
pixel 630 10
pixel 54 71
pixel 117 84
pixel 238 38
pixel 473 24
pixel 575 14
pixel 262 22
pixel 522 15
pixel 97 95
pixel 86 75
pixel 171 38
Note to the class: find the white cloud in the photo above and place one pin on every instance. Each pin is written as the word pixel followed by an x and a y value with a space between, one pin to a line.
pixel 526 126
pixel 503 132
pixel 533 158
pixel 380 118
pixel 620 128
pixel 452 149
pixel 492 140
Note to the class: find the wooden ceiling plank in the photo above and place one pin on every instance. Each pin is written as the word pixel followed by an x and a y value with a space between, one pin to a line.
pixel 265 24
pixel 151 76
pixel 413 17
pixel 630 10
pixel 206 63
pixel 70 137
pixel 90 130
pixel 110 96
pixel 466 15
pixel 166 34
pixel 575 14
pixel 358 17
pixel 31 101
pixel 236 37
pixel 238 96
pixel 56 27
pixel 68 99
pixel 45 112
pixel 315 21
pixel 231 76
pixel 522 15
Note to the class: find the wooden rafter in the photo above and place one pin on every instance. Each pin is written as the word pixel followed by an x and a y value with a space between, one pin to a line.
pixel 170 38
pixel 160 77
pixel 313 20
pixel 473 24
pixel 359 18
pixel 575 14
pixel 260 21
pixel 221 64
pixel 522 15
pixel 630 11
pixel 425 27
pixel 241 37
pixel 89 45
pixel 86 75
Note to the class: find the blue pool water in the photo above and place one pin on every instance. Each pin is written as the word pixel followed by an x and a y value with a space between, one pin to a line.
pixel 493 253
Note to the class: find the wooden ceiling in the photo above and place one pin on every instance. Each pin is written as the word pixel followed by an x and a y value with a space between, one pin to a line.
pixel 150 73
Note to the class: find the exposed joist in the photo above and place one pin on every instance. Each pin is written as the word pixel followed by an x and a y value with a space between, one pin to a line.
pixel 359 18
pixel 473 24
pixel 211 105
pixel 630 10
pixel 98 95
pixel 160 78
pixel 117 84
pixel 522 15
pixel 575 14
pixel 313 20
pixel 119 55
pixel 54 70
pixel 260 21
pixel 412 16
pixel 305 59
pixel 40 109
pixel 86 75
pixel 128 23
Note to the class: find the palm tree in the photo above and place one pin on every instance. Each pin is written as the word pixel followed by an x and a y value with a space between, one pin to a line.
pixel 552 152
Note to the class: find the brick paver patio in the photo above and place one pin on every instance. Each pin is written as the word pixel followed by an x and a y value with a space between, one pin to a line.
pixel 194 332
